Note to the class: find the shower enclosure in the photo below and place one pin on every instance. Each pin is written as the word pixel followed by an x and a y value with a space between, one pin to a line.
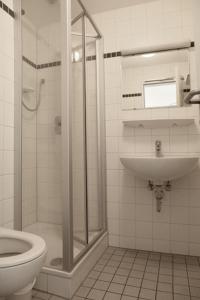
pixel 60 128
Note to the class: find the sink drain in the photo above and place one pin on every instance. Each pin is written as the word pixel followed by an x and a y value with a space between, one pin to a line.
pixel 58 261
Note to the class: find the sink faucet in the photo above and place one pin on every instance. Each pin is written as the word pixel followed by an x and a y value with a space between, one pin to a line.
pixel 158 148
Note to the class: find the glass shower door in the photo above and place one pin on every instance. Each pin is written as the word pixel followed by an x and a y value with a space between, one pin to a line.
pixel 86 159
pixel 79 172
pixel 93 194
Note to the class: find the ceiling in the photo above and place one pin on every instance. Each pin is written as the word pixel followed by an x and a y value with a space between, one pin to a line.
pixel 41 12
pixel 97 6
pixel 44 12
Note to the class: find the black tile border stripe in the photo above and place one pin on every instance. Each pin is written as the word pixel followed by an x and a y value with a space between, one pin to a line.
pixel 106 55
pixel 49 65
pixel 90 58
pixel 132 95
pixel 140 94
pixel 29 62
pixel 7 9
pixel 186 90
pixel 41 66
pixel 112 54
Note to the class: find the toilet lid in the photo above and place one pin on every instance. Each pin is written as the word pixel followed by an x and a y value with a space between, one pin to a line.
pixel 17 247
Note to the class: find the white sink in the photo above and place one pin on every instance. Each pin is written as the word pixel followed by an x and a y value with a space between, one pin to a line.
pixel 160 168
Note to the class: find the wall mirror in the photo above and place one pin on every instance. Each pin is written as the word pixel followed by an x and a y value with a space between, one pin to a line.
pixel 155 80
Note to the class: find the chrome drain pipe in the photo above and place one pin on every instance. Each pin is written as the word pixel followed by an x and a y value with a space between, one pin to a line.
pixel 159 192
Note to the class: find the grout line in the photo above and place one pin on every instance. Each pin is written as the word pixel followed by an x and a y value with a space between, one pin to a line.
pixel 129 274
pixel 158 276
pixel 115 273
pixel 96 279
pixel 143 274
pixel 172 275
pixel 188 280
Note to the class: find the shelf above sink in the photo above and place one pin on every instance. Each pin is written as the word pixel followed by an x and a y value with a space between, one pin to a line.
pixel 158 123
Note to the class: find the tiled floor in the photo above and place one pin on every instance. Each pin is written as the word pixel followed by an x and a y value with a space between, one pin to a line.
pixel 129 274
pixel 43 296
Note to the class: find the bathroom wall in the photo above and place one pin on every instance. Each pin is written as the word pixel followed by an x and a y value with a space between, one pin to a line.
pixel 6 115
pixel 132 218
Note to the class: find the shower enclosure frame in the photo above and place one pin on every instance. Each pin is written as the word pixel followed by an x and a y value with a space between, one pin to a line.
pixel 66 104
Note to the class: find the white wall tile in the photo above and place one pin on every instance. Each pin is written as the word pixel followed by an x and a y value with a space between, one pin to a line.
pixel 161 231
pixel 179 248
pixel 179 215
pixel 179 233
pixel 161 246
pixel 144 212
pixel 144 230
pixel 7 118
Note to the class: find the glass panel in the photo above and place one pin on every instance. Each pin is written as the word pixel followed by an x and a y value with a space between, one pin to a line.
pixel 160 94
pixel 78 141
pixel 164 67
pixel 94 201
pixel 76 9
pixel 41 125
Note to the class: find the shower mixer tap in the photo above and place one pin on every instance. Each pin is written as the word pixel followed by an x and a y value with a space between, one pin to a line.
pixel 158 148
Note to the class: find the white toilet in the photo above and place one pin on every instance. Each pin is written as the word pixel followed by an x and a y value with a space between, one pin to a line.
pixel 22 255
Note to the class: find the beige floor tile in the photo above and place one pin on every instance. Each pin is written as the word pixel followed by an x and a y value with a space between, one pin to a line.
pixel 181 289
pixel 106 277
pixel 147 294
pixel 101 285
pixel 83 291
pixel 165 287
pixel 181 297
pixel 89 282
pixel 119 279
pixel 112 296
pixel 134 281
pixel 164 296
pixel 149 284
pixel 131 291
pixel 116 288
pixel 96 294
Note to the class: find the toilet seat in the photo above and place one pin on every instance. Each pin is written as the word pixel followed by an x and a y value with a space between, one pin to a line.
pixel 19 247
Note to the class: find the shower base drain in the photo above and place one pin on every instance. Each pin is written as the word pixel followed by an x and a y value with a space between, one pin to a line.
pixel 58 261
